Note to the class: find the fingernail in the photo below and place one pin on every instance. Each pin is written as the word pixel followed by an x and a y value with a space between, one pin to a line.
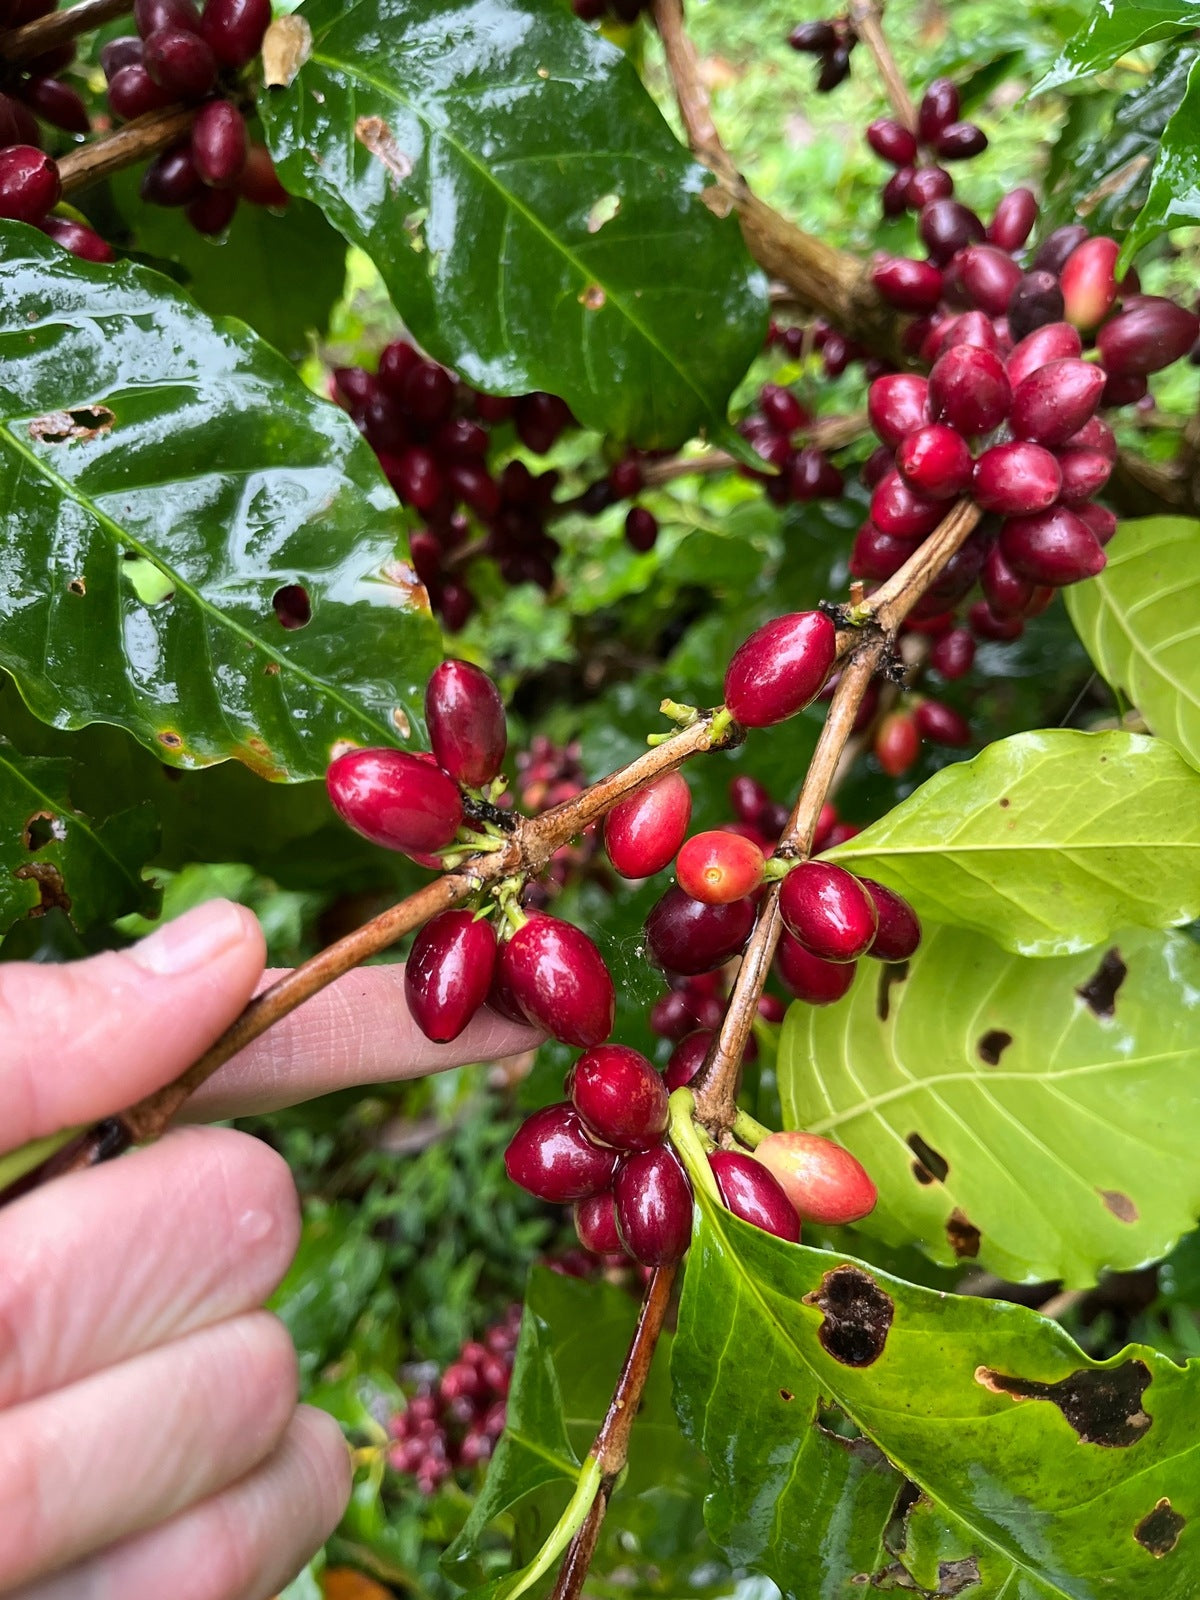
pixel 191 941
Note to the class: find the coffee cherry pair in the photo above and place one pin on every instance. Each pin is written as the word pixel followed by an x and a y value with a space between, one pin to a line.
pixel 898 738
pixel 804 472
pixel 832 917
pixel 830 40
pixel 917 154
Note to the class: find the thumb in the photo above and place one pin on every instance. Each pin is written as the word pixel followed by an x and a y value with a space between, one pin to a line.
pixel 81 1041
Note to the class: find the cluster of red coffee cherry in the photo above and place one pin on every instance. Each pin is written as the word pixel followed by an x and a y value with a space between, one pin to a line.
pixel 916 155
pixel 802 473
pixel 453 1423
pixel 830 40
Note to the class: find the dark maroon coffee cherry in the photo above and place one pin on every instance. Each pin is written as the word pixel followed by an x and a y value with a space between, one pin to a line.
pixel 928 184
pixel 835 69
pixel 827 909
pixel 894 194
pixel 643 833
pixel 942 724
pixel 181 63
pixel 900 512
pixel 540 419
pixel 1015 479
pixel 1013 219
pixel 809 978
pixel 625 477
pixel 1122 391
pixel 685 936
pixel 219 143
pixel 938 109
pixel 953 655
pixel 78 238
pixel 596 1224
pixel 908 285
pixel 132 92
pixel 959 141
pixel 1056 341
pixel 936 462
pixel 1055 547
pixel 1147 336
pixel 989 276
pixel 781 408
pixel 428 392
pixel 813 38
pixel 893 141
pixel 171 179
pixel 641 529
pixel 985 624
pixel 1084 474
pixel 875 555
pixel 947 227
pixel 118 53
pixel 417 478
pixel 748 797
pixel 898 404
pixel 560 981
pixel 29 183
pixel 654 1207
pixel 1099 519
pixel 813 476
pixel 1006 592
pixel 968 389
pixel 466 722
pixel 1054 250
pixel 899 931
pixel 780 668
pixel 57 103
pixel 719 866
pixel 150 16
pixel 395 800
pixel 1055 401
pixel 620 1096
pixel 750 1191
pixel 551 1156
pixel 212 211
pixel 673 1014
pixel 234 29
pixel 449 972
pixel 1036 301
pixel 1088 282
pixel 687 1058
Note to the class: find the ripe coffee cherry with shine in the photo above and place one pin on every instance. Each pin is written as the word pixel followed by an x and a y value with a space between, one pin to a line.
pixel 953 655
pixel 1087 282
pixel 1056 341
pixel 180 62
pixel 893 141
pixel 899 930
pixel 643 833
pixel 809 978
pixel 1055 547
pixel 942 724
pixel 780 668
pixel 219 144
pixel 29 183
pixel 620 1096
pixel 596 1224
pixel 685 936
pixel 908 285
pixel 395 800
pixel 558 978
pixel 827 909
pixel 1036 301
pixel 687 1058
pixel 939 107
pixel 969 389
pixel 78 238
pixel 654 1206
pixel 1016 479
pixel 1084 473
pixel 1148 335
pixel 989 276
pixel 1013 219
pixel 641 529
pixel 467 727
pixel 749 1189
pixel 449 972
pixel 947 227
pixel 822 1180
pixel 897 404
pixel 234 29
pixel 899 511
pixel 1054 402
pixel 718 867
pixel 935 461
pixel 551 1156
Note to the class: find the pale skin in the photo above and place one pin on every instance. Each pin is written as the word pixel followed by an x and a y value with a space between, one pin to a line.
pixel 151 1443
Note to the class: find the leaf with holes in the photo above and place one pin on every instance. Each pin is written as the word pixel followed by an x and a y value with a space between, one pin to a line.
pixel 536 222
pixel 177 503
pixel 53 855
pixel 1047 842
pixel 1140 623
pixel 1114 29
pixel 1036 1469
pixel 1040 1116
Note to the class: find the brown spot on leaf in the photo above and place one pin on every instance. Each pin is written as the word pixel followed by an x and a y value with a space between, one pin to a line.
pixel 292 606
pixel 375 135
pixel 51 889
pixel 287 45
pixel 77 586
pixel 993 1044
pixel 964 1236
pixel 401 722
pixel 593 297
pixel 1103 1405
pixel 1121 1206
pixel 956 1577
pixel 59 427
pixel 1115 183
pixel 889 973
pixel 271 669
pixel 171 739
pixel 1004 802
pixel 930 1166
pixel 1159 1530
pixel 857 1316
pixel 786 1394
pixel 43 828
pixel 257 754
pixel 1099 993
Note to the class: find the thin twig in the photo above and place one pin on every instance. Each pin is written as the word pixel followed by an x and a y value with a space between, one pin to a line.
pixel 136 141
pixel 867 20
pixel 46 33
pixel 825 433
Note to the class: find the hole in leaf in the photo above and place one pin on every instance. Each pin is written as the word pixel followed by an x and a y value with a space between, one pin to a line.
pixel 964 1236
pixel 930 1166
pixel 1159 1530
pixel 43 828
pixel 891 972
pixel 84 422
pixel 52 890
pixel 171 739
pixel 1104 1406
pixel 77 586
pixel 786 1394
pixel 1099 993
pixel 857 1316
pixel 293 608
pixel 993 1044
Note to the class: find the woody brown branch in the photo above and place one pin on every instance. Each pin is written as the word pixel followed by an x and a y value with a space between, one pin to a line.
pixel 43 34
pixel 135 142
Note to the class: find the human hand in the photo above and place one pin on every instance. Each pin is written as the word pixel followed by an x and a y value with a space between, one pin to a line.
pixel 150 1439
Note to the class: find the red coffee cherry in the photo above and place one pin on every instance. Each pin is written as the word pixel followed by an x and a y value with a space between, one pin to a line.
pixel 749 798
pixel 807 977
pixel 968 388
pixel 57 103
pixel 900 512
pixel 1056 547
pixel 395 799
pixel 643 833
pixel 1055 401
pixel 1148 335
pixel 212 210
pixel 171 179
pixel 1013 219
pixel 467 727
pixel 1084 473
pixel 79 239
pixel 942 724
pixel 827 909
pixel 551 1156
pixel 559 980
pixel 953 655
pixel 928 184
pixel 596 1224
pixel 947 227
pixel 1016 479
pixel 877 555
pixel 234 29
pixel 989 276
pixel 780 668
pixel 718 867
pixel 449 972
pixel 899 931
pixel 149 16
pixel 939 107
pixel 1088 285
pixel 1099 519
pixel 897 743
pixel 908 285
pixel 1007 593
pixel 620 1096
pixel 685 936
pixel 687 1058
pixel 893 141
pixel 985 624
pixel 259 182
pixel 897 404
pixel 180 62
pixel 1094 435
pixel 29 183
pixel 654 1207
pixel 219 143
pixel 1057 341
pixel 936 462
pixel 822 1181
pixel 750 1191
pixel 781 408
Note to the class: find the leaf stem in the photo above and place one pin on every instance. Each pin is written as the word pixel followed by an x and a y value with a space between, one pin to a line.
pixel 565 1529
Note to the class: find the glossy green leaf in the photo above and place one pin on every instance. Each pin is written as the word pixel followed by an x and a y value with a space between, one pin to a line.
pixel 52 854
pixel 537 224
pixel 1140 623
pixel 141 440
pixel 1043 1475
pixel 1041 1116
pixel 1113 28
pixel 1047 841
